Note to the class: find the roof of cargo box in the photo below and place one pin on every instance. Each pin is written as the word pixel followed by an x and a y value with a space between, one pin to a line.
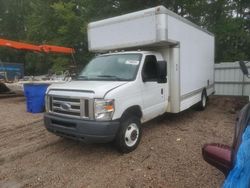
pixel 155 10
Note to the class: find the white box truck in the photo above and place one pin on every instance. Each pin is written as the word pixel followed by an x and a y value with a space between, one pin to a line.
pixel 150 62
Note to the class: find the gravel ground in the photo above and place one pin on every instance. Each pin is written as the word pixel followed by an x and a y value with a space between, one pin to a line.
pixel 169 154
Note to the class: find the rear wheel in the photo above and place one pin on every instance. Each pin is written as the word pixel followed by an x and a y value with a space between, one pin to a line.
pixel 129 135
pixel 203 103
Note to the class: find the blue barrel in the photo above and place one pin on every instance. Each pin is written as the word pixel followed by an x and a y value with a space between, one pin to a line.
pixel 35 97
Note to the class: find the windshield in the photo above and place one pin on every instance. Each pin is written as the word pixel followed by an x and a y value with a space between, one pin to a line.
pixel 118 67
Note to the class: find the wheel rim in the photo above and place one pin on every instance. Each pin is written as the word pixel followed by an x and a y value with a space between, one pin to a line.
pixel 131 134
pixel 204 100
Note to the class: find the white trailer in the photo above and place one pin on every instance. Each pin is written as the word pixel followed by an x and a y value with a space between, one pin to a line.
pixel 151 62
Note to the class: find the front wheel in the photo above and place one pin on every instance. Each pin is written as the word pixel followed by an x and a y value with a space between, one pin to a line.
pixel 129 135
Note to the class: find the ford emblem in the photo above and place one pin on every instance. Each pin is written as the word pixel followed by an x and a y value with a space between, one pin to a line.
pixel 65 106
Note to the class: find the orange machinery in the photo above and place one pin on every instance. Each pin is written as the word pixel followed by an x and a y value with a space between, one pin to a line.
pixel 35 48
pixel 38 48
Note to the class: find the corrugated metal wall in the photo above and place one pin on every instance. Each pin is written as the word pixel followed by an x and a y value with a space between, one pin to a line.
pixel 229 80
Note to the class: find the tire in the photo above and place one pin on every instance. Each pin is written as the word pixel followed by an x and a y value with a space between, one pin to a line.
pixel 129 134
pixel 203 103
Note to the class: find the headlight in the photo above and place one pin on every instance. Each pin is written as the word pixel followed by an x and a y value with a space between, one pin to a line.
pixel 46 103
pixel 104 109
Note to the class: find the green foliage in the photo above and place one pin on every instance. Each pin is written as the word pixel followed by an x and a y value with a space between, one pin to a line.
pixel 232 41
pixel 60 64
pixel 64 22
pixel 36 63
pixel 12 19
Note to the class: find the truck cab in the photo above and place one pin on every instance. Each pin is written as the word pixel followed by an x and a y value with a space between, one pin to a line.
pixel 110 98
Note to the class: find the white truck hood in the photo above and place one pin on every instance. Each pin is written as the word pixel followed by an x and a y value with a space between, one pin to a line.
pixel 97 89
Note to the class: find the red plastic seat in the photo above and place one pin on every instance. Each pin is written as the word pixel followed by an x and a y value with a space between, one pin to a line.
pixel 218 155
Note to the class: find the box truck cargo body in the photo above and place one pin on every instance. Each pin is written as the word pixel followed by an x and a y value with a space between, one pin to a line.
pixel 150 62
pixel 190 47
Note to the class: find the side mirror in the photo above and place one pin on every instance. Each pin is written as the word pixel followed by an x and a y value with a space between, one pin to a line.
pixel 162 71
pixel 243 68
pixel 144 78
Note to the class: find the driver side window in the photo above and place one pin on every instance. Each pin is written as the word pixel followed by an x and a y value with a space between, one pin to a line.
pixel 149 71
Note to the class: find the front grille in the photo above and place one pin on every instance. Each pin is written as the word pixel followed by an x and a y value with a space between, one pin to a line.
pixel 73 107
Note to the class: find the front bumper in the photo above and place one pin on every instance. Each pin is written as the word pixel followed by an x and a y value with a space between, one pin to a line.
pixel 82 130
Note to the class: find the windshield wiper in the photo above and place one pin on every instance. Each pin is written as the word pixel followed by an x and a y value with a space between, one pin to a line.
pixel 110 76
pixel 82 78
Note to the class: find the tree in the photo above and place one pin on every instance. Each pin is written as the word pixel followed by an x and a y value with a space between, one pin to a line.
pixel 64 22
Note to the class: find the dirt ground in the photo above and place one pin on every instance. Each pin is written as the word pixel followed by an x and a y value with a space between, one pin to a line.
pixel 169 154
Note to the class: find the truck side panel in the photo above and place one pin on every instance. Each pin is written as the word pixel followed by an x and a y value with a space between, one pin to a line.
pixel 196 61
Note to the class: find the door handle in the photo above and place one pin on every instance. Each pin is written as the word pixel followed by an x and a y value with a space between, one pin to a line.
pixel 162 91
